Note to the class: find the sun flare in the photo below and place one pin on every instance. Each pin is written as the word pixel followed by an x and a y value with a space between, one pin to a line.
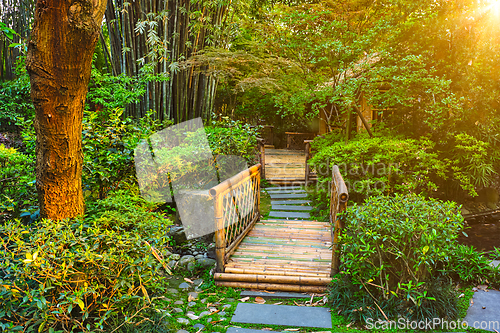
pixel 495 6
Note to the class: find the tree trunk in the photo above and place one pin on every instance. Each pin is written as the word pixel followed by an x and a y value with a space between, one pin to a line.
pixel 59 59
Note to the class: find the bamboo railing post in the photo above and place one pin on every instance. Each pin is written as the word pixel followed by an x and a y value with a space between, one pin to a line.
pixel 338 202
pixel 220 233
pixel 308 156
pixel 262 156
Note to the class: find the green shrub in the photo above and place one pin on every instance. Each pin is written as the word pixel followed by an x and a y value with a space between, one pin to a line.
pixel 17 181
pixel 15 99
pixel 379 165
pixel 469 265
pixel 393 247
pixel 108 148
pixel 230 137
pixel 79 274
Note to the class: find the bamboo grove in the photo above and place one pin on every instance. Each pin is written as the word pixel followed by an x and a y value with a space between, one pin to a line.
pixel 146 38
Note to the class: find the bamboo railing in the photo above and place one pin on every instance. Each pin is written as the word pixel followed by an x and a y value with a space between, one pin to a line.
pixel 236 209
pixel 338 203
pixel 308 173
pixel 261 146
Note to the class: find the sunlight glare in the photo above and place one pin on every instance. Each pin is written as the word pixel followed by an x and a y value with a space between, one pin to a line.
pixel 495 7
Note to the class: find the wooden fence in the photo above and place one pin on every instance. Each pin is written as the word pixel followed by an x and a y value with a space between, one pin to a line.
pixel 338 203
pixel 236 209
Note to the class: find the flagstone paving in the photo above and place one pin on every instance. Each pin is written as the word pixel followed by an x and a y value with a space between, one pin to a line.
pixel 484 311
pixel 287 195
pixel 286 315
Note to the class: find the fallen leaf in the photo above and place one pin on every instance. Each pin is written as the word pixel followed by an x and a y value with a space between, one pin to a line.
pixel 482 287
pixel 260 300
pixel 266 329
pixel 190 298
pixel 244 299
pixel 297 303
pixel 278 303
pixel 461 295
pixel 188 280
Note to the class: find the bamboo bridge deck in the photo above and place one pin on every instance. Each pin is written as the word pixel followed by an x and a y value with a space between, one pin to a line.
pixel 292 255
pixel 275 254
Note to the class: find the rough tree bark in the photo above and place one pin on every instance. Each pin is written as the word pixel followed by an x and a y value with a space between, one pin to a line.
pixel 59 59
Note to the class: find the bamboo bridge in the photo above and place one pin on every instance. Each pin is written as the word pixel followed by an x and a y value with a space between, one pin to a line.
pixel 273 254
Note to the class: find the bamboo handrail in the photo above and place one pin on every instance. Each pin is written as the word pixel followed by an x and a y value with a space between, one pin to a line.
pixel 338 203
pixel 308 157
pixel 241 189
pixel 261 146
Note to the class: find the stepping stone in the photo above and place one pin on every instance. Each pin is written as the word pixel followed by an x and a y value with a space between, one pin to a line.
pixel 243 330
pixel 286 315
pixel 284 187
pixel 487 318
pixel 275 295
pixel 291 215
pixel 291 207
pixel 290 202
pixel 286 191
pixel 287 195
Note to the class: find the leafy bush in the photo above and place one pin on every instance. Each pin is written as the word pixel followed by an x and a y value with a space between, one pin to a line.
pixel 233 138
pixel 15 100
pixel 469 265
pixel 392 248
pixel 388 164
pixel 17 181
pixel 379 165
pixel 108 146
pixel 80 274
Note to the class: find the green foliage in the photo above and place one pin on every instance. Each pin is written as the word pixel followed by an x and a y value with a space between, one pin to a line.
pixel 380 165
pixel 471 266
pixel 391 250
pixel 110 92
pixel 108 146
pixel 229 137
pixel 476 158
pixel 15 100
pixel 75 275
pixel 17 181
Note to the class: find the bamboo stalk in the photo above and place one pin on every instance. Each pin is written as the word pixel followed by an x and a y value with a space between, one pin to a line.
pixel 220 234
pixel 235 270
pixel 256 278
pixel 324 269
pixel 278 287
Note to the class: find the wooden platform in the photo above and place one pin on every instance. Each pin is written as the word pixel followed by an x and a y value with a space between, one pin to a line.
pixel 288 255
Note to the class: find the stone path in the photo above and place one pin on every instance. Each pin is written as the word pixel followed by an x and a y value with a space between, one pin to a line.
pixel 285 204
pixel 290 316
